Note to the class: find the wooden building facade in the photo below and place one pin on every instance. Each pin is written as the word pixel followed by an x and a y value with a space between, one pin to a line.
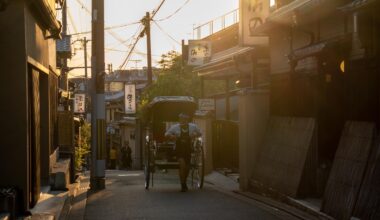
pixel 29 93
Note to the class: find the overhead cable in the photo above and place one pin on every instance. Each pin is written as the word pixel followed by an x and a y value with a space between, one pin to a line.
pixel 139 36
pixel 158 8
pixel 166 33
pixel 175 12
pixel 110 27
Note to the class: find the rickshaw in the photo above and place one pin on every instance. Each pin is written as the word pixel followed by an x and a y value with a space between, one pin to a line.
pixel 159 153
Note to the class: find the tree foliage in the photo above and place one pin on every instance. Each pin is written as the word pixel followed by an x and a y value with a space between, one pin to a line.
pixel 174 79
pixel 84 146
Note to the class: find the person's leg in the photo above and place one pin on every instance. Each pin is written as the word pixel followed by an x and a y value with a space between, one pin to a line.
pixel 183 172
pixel 113 164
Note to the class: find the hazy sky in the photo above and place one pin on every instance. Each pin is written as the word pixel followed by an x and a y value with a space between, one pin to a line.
pixel 119 12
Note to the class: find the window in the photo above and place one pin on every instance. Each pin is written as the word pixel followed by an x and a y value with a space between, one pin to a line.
pixel 272 3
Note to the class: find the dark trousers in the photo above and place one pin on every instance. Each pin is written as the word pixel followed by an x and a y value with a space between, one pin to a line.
pixel 113 164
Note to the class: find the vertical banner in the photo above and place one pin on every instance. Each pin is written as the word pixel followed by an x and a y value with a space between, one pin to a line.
pixel 198 52
pixel 130 98
pixel 253 13
pixel 79 103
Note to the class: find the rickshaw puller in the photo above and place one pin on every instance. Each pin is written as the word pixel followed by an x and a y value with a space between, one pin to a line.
pixel 183 133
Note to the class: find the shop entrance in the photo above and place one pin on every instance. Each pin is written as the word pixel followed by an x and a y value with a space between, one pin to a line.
pixel 226 145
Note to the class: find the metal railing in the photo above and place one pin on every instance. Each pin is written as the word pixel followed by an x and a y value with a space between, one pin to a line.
pixel 216 24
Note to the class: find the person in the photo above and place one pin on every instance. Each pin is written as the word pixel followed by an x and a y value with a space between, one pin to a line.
pixel 123 159
pixel 128 156
pixel 113 157
pixel 183 133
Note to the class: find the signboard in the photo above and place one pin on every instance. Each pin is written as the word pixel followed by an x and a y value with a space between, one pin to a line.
pixel 206 104
pixel 199 52
pixel 253 13
pixel 130 98
pixel 79 103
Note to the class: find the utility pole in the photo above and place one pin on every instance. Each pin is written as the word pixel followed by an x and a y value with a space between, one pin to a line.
pixel 136 61
pixel 98 129
pixel 85 59
pixel 85 74
pixel 110 68
pixel 149 49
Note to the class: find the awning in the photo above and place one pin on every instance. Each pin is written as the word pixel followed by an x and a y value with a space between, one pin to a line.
pixel 358 5
pixel 317 48
pixel 223 64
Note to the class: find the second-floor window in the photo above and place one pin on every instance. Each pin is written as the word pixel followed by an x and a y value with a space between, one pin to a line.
pixel 272 3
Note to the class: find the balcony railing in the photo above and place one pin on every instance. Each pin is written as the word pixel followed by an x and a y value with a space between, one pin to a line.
pixel 216 24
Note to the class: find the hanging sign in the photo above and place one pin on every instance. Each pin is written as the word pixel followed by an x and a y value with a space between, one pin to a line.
pixel 79 103
pixel 199 52
pixel 206 104
pixel 130 98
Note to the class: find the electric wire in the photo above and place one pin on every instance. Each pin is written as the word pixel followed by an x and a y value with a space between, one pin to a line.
pixel 175 12
pixel 125 62
pixel 108 28
pixel 114 35
pixel 72 21
pixel 158 8
pixel 166 33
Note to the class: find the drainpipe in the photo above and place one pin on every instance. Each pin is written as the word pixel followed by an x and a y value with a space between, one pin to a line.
pixel 227 90
pixel 356 44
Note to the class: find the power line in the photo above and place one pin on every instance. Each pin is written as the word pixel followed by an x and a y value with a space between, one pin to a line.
pixel 125 51
pixel 110 28
pixel 113 34
pixel 166 33
pixel 125 62
pixel 158 8
pixel 175 12
pixel 72 20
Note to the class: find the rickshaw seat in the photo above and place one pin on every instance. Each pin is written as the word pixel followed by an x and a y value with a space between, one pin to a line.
pixel 165 150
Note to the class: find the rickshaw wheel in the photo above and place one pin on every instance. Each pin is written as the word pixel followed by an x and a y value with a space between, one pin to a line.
pixel 197 167
pixel 147 167
pixel 147 176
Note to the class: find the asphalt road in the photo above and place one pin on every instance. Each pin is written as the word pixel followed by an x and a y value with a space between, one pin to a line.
pixel 126 198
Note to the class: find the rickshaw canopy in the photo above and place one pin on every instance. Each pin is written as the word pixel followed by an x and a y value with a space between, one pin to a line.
pixel 167 108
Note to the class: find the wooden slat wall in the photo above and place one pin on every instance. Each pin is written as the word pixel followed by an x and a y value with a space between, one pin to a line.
pixel 348 169
pixel 282 159
pixel 367 205
pixel 36 138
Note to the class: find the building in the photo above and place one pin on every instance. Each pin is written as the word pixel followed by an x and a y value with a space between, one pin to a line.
pixel 29 91
pixel 308 112
pixel 323 105
pixel 237 63
pixel 123 127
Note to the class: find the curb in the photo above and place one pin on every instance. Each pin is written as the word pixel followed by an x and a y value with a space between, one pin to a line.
pixel 298 212
pixel 73 189
pixel 271 199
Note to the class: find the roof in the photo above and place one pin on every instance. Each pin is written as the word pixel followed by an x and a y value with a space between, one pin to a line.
pixel 133 75
pixel 223 63
pixel 114 96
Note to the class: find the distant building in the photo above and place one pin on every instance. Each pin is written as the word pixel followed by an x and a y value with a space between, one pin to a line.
pixel 123 128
